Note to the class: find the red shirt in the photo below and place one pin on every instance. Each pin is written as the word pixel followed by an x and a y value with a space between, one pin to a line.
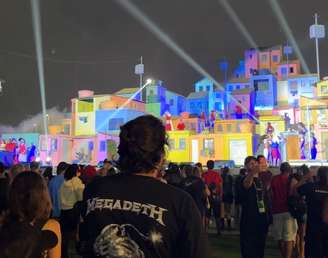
pixel 181 126
pixel 279 187
pixel 239 110
pixel 213 177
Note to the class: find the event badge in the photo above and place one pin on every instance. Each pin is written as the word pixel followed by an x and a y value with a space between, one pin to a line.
pixel 260 205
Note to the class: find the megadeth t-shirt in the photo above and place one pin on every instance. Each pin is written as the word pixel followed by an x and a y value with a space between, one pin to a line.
pixel 133 216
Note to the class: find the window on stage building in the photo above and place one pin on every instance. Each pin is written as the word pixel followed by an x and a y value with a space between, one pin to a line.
pixel 208 87
pixel 83 119
pixel 218 95
pixel 182 143
pixel 220 129
pixel 283 71
pixel 200 88
pixel 102 146
pixel 264 58
pixel 218 106
pixel 171 144
pixel 291 69
pixel 238 129
pixel 229 128
pixel 115 123
pixel 54 144
pixel 90 143
pixel 208 147
pixel 275 58
pixel 171 102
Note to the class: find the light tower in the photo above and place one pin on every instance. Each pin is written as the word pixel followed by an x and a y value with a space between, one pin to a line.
pixel 317 32
pixel 1 86
pixel 140 70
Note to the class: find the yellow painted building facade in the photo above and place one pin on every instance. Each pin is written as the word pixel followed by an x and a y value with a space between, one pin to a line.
pixel 231 140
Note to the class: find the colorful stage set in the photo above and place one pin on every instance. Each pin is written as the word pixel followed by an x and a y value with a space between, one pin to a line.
pixel 268 106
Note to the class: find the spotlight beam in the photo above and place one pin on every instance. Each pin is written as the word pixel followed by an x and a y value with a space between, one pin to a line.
pixel 236 20
pixel 288 33
pixel 126 103
pixel 133 10
pixel 36 19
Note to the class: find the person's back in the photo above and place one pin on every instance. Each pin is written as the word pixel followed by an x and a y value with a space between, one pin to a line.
pixel 54 188
pixel 227 182
pixel 195 186
pixel 280 192
pixel 157 219
pixel 133 214
pixel 71 192
pixel 27 230
pixel 173 175
pixel 213 179
pixel 316 194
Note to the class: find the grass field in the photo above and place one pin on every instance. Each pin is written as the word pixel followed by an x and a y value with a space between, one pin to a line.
pixel 227 246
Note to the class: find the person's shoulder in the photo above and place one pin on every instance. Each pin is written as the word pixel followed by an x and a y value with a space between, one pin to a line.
pixel 276 177
pixel 204 174
pixel 52 225
pixel 77 180
pixel 306 188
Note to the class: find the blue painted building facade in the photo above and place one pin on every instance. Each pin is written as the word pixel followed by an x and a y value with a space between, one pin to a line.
pixel 109 121
pixel 265 88
pixel 197 102
pixel 301 85
pixel 166 100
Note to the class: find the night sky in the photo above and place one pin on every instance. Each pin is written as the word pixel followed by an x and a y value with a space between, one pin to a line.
pixel 95 45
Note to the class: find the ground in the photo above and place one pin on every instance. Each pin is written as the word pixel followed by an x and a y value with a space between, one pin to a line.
pixel 227 246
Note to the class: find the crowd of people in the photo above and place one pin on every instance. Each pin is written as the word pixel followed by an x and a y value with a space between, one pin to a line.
pixel 143 207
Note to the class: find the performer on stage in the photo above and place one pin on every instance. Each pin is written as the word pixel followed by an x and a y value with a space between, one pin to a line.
pixel 275 152
pixel 15 150
pixel 31 153
pixel 168 121
pixel 203 121
pixel 22 151
pixel 302 147
pixel 266 149
pixel 314 143
pixel 239 111
pixel 181 125
pixel 269 130
pixel 212 119
pixel 302 131
pixel 10 146
pixel 287 121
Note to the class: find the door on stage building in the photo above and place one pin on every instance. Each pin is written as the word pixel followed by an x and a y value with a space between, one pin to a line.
pixel 111 150
pixel 194 151
pixel 238 151
pixel 66 151
pixel 324 145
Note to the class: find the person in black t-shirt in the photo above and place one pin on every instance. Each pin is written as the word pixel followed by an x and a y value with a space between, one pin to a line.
pixel 133 214
pixel 254 217
pixel 173 175
pixel 237 195
pixel 316 194
pixel 195 186
pixel 227 199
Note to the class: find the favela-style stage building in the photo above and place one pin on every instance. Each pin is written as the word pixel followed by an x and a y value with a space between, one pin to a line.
pixel 268 106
